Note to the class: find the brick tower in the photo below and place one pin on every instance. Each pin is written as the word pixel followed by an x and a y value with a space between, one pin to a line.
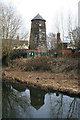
pixel 58 40
pixel 38 33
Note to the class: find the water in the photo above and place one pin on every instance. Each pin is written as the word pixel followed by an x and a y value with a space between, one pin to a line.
pixel 22 102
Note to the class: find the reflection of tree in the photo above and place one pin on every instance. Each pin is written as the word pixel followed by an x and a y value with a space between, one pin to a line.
pixel 6 102
pixel 52 111
pixel 78 108
pixel 60 109
pixel 15 104
pixel 63 107
pixel 73 107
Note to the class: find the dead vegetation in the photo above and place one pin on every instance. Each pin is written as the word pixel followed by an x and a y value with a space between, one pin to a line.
pixel 54 65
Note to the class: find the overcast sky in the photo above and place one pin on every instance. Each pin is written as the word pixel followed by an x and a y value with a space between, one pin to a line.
pixel 48 9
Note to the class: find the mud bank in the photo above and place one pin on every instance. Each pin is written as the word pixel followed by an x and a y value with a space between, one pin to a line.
pixel 65 83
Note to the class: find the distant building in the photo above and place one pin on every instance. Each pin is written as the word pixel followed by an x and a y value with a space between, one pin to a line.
pixel 20 44
pixel 15 43
pixel 38 34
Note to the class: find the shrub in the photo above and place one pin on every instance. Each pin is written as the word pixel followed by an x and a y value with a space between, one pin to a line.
pixel 37 64
pixel 13 55
pixel 17 54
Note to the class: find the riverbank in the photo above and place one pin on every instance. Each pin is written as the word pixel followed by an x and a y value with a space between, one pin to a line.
pixel 65 83
pixel 50 74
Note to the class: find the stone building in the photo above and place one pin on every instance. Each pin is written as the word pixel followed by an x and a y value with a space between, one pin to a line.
pixel 38 33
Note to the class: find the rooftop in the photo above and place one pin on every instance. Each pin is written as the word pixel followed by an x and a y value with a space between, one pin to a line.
pixel 38 17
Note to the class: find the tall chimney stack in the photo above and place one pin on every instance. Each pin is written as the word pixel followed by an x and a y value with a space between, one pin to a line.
pixel 58 40
pixel 18 37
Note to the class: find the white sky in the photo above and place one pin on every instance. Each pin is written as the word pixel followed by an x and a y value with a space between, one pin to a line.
pixel 48 9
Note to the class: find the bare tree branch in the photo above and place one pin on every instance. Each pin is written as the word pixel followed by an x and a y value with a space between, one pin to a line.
pixel 11 25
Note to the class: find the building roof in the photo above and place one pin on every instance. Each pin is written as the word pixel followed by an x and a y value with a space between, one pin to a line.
pixel 16 42
pixel 38 17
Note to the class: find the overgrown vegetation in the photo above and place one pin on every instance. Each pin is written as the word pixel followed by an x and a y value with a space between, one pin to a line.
pixel 38 64
pixel 30 64
pixel 55 65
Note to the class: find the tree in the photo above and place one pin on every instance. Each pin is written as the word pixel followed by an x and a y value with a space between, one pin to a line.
pixel 75 38
pixel 73 31
pixel 51 41
pixel 11 24
pixel 67 26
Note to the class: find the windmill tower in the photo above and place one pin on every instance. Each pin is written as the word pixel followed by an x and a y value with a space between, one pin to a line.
pixel 38 33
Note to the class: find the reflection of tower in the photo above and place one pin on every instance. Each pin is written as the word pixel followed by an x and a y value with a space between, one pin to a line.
pixel 38 32
pixel 37 98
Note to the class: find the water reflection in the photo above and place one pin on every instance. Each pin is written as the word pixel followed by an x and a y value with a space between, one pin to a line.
pixel 18 87
pixel 63 106
pixel 15 103
pixel 37 98
pixel 35 103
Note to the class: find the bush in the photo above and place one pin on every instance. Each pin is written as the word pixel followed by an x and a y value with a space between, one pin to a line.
pixel 17 54
pixel 13 55
pixel 5 60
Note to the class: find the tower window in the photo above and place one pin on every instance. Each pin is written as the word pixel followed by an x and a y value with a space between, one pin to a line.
pixel 40 30
pixel 40 35
pixel 40 24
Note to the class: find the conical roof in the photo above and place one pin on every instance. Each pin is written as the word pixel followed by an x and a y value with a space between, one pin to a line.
pixel 38 17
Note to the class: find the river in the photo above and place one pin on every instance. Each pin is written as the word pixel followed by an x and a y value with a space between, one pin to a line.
pixel 19 101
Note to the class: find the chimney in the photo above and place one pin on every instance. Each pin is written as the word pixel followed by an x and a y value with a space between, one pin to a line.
pixel 58 40
pixel 17 37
